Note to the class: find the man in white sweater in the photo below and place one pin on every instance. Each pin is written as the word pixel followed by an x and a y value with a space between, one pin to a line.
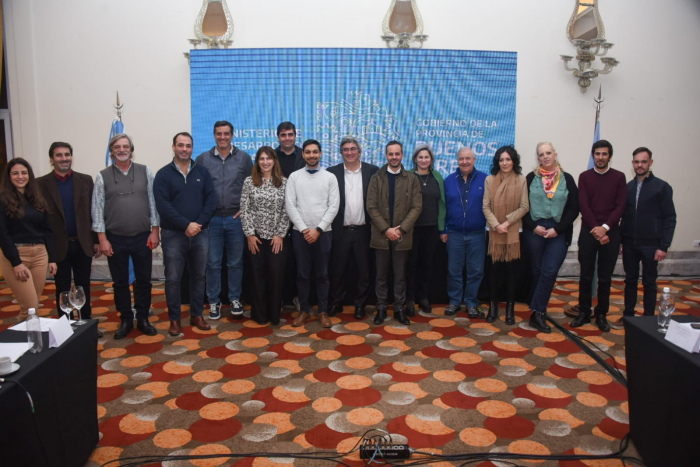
pixel 312 200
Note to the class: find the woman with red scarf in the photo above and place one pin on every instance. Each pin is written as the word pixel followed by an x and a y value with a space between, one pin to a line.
pixel 548 227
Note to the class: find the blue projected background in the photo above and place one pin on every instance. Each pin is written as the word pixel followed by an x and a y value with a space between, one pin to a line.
pixel 445 98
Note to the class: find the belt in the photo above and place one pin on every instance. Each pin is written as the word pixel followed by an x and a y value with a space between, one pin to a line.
pixel 354 227
pixel 72 239
pixel 28 244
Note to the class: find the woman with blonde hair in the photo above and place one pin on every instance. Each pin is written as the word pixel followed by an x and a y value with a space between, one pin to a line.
pixel 265 224
pixel 505 203
pixel 548 227
pixel 26 239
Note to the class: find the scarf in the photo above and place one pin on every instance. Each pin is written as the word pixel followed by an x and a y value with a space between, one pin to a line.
pixel 505 198
pixel 550 181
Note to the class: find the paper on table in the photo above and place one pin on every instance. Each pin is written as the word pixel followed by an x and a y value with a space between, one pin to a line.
pixel 684 336
pixel 14 350
pixel 46 323
pixel 59 332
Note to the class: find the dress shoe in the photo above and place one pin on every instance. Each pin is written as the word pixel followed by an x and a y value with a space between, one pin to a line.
pixel 336 310
pixel 510 313
pixel 580 320
pixel 124 329
pixel 411 308
pixel 539 322
pixel 493 312
pixel 302 318
pixel 380 316
pixel 602 322
pixel 99 333
pixel 325 320
pixel 425 306
pixel 175 327
pixel 145 327
pixel 360 312
pixel 199 323
pixel 452 310
pixel 400 316
pixel 475 312
pixel 275 321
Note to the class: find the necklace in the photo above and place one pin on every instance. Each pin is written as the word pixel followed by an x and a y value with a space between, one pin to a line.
pixel 424 182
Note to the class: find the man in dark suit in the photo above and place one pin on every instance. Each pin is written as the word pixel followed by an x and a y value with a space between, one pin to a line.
pixel 351 226
pixel 68 196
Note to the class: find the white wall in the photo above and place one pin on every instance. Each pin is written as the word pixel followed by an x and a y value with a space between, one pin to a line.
pixel 67 58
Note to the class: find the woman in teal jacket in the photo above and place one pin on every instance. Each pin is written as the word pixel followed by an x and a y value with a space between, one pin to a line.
pixel 426 232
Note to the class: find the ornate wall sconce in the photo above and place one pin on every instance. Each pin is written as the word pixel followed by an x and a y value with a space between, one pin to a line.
pixel 403 24
pixel 587 33
pixel 214 25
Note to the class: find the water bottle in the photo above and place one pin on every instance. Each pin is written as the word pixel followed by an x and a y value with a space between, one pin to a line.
pixel 34 332
pixel 665 305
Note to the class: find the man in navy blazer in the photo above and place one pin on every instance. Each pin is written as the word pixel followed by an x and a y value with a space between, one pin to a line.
pixel 351 226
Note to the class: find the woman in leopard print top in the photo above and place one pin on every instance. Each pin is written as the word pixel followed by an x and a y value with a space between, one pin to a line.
pixel 265 224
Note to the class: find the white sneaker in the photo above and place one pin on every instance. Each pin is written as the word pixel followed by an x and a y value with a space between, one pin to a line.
pixel 236 308
pixel 215 311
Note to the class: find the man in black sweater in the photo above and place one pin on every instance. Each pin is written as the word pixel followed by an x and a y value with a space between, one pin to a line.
pixel 647 230
pixel 186 199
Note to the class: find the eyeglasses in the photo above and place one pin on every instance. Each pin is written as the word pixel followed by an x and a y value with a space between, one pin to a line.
pixel 130 174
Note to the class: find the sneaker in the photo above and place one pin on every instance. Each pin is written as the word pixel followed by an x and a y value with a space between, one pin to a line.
pixel 236 308
pixel 215 311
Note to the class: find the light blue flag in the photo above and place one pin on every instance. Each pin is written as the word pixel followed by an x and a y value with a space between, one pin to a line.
pixel 596 138
pixel 118 128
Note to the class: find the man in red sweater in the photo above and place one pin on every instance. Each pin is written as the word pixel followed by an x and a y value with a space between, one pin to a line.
pixel 602 196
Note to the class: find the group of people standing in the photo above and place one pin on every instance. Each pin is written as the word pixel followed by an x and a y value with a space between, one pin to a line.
pixel 388 217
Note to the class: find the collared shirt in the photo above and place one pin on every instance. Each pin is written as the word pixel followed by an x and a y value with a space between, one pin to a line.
pixel 354 199
pixel 601 173
pixel 63 178
pixel 98 200
pixel 639 189
pixel 395 173
pixel 217 153
pixel 189 167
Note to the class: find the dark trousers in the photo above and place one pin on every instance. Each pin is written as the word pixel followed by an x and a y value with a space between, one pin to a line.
pixel 632 255
pixel 507 270
pixel 136 247
pixel 316 255
pixel 588 247
pixel 290 271
pixel 80 265
pixel 180 252
pixel 391 261
pixel 546 257
pixel 352 242
pixel 268 270
pixel 420 262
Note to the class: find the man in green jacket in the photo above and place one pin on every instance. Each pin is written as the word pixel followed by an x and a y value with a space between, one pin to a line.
pixel 394 203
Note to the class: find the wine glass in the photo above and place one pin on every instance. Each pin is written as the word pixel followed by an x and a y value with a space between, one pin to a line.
pixel 64 303
pixel 77 299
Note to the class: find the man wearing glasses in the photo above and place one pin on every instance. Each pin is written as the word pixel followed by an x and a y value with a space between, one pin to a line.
pixel 351 226
pixel 126 221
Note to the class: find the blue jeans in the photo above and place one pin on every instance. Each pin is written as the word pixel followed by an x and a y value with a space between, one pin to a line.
pixel 631 257
pixel 180 251
pixel 225 230
pixel 546 257
pixel 470 249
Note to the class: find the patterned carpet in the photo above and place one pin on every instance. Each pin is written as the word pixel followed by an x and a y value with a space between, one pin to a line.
pixel 444 385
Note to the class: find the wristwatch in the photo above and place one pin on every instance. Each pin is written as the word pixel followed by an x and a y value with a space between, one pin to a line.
pixel 320 230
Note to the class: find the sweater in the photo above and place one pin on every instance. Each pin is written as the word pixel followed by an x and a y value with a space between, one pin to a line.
pixel 565 226
pixel 312 200
pixel 464 217
pixel 651 220
pixel 441 202
pixel 181 200
pixel 601 198
pixel 32 228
